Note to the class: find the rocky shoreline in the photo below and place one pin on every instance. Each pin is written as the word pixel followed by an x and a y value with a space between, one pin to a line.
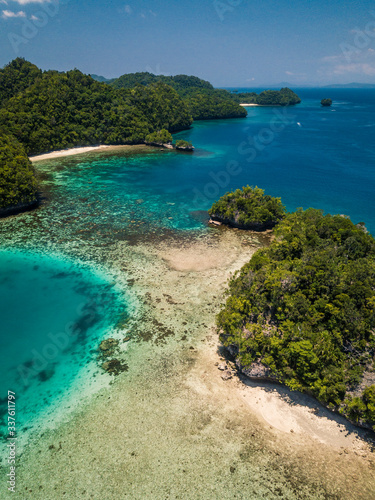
pixel 170 146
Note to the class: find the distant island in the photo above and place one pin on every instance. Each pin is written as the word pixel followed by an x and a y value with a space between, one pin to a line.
pixel 353 85
pixel 302 311
pixel 326 102
pixel 283 97
pixel 202 100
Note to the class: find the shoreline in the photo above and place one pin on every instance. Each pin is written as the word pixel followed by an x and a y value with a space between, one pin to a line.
pixel 260 105
pixel 77 151
pixel 65 152
pixel 174 397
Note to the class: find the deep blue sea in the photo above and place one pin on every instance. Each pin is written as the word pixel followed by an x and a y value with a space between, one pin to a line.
pixel 308 155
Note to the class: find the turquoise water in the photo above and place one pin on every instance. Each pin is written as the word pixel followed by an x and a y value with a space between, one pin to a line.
pixel 308 155
pixel 53 313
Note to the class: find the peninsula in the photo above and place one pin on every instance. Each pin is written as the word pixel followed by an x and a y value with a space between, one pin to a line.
pixel 302 311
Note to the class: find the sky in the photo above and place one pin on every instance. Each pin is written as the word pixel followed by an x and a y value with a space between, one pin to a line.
pixel 242 43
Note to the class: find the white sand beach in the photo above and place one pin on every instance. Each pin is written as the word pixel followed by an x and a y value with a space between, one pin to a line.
pixel 66 152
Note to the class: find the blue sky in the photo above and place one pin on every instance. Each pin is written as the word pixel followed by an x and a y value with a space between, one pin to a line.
pixel 228 42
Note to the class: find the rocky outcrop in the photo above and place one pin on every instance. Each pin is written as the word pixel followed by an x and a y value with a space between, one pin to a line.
pixel 160 145
pixel 257 370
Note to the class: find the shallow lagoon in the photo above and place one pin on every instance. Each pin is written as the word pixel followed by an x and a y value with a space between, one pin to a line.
pixel 53 311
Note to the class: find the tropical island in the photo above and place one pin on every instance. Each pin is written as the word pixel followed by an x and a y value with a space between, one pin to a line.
pixel 248 208
pixel 43 111
pixel 302 311
pixel 282 97
pixel 202 100
pixel 326 102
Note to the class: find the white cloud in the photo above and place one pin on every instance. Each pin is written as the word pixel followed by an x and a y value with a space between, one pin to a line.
pixel 362 62
pixel 27 2
pixel 360 69
pixel 7 14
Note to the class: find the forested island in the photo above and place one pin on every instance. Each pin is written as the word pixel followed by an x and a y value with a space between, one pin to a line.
pixel 283 97
pixel 326 102
pixel 248 208
pixel 302 311
pixel 50 110
pixel 203 101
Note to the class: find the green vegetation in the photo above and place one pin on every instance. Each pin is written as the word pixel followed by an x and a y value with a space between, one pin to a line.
pixel 304 308
pixel 248 208
pixel 283 97
pixel 62 110
pixel 160 137
pixel 212 104
pixel 179 82
pixel 17 177
pixel 245 97
pixel 326 102
pixel 183 144
pixel 203 101
pixel 16 77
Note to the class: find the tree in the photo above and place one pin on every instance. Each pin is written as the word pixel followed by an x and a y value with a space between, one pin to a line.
pixel 160 137
pixel 17 176
pixel 62 110
pixel 181 144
